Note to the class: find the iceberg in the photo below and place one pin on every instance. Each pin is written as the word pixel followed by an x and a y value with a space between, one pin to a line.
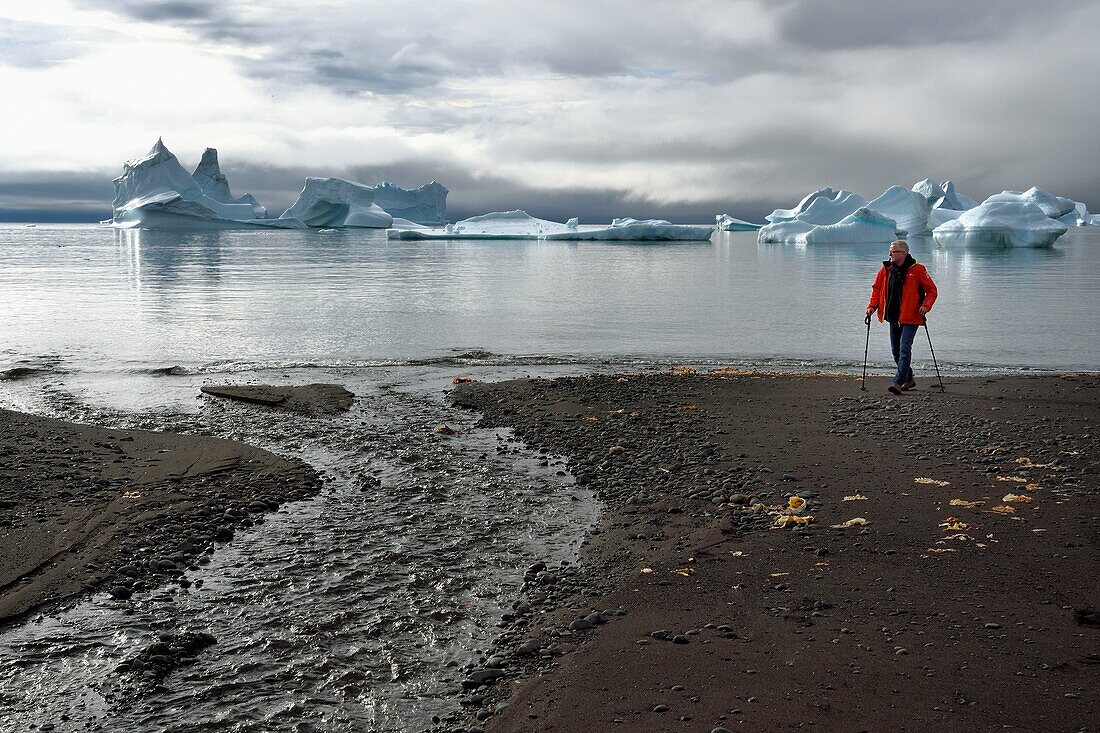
pixel 942 216
pixel 908 209
pixel 521 225
pixel 952 199
pixel 426 205
pixel 1053 206
pixel 214 184
pixel 929 189
pixel 824 210
pixel 636 230
pixel 334 202
pixel 864 226
pixel 155 192
pixel 496 225
pixel 1001 224
pixel 727 223
pixel 788 214
pixel 1079 217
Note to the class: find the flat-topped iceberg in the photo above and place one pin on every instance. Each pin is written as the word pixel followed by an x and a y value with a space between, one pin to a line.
pixel 727 223
pixel 908 209
pixel 496 225
pixel 1052 206
pixel 1001 224
pixel 521 225
pixel 864 226
pixel 636 230
pixel 334 202
pixel 426 205
pixel 156 192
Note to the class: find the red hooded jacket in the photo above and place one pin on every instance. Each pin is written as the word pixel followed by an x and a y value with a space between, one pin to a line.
pixel 918 290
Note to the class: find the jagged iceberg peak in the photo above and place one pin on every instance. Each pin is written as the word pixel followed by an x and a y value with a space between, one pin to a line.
pixel 929 189
pixel 208 174
pixel 158 173
pixel 952 199
pixel 156 192
pixel 335 202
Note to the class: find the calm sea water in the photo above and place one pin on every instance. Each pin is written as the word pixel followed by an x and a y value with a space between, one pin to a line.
pixel 93 298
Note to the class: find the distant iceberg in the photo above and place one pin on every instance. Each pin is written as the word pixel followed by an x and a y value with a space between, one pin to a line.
pixel 1052 206
pixel 643 230
pixel 426 205
pixel 521 225
pixel 929 189
pixel 496 225
pixel 1001 224
pixel 1079 217
pixel 864 226
pixel 156 192
pixel 727 223
pixel 952 199
pixel 334 202
pixel 825 210
pixel 789 214
pixel 908 209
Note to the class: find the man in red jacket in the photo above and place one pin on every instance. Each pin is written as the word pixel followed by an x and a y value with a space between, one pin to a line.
pixel 902 294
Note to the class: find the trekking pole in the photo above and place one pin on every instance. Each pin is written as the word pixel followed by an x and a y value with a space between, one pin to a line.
pixel 938 377
pixel 863 384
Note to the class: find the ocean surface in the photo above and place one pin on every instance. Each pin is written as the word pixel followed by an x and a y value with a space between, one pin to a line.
pixel 357 611
pixel 91 298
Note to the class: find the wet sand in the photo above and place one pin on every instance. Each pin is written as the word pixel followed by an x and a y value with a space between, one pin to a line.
pixel 85 508
pixel 319 399
pixel 967 601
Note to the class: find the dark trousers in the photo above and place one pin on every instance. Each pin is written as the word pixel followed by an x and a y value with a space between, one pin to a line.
pixel 901 344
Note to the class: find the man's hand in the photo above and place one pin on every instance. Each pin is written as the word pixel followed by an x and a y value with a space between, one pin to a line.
pixel 923 311
pixel 869 311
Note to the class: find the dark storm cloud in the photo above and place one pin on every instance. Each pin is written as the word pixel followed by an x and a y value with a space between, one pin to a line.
pixel 167 10
pixel 853 24
pixel 38 196
pixel 393 49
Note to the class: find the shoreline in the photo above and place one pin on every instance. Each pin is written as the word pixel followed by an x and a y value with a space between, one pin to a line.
pixel 699 614
pixel 88 509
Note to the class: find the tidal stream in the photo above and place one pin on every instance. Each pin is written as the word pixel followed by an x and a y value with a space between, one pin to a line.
pixel 353 611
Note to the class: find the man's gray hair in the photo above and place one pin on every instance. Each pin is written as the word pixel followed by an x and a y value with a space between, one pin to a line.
pixel 900 244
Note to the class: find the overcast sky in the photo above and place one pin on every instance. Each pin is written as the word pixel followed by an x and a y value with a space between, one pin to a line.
pixel 590 108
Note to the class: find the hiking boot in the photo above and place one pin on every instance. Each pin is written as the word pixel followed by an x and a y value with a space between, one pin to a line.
pixel 911 384
pixel 893 389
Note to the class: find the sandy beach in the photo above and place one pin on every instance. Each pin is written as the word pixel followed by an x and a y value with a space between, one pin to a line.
pixel 789 553
pixel 90 509
pixel 776 551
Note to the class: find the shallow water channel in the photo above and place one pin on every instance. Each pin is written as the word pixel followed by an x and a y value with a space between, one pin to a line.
pixel 353 611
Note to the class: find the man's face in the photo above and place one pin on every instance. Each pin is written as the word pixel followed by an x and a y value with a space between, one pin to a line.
pixel 897 255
